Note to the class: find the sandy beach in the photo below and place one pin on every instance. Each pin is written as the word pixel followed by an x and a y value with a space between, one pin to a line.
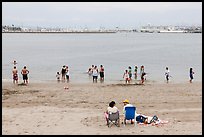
pixel 48 108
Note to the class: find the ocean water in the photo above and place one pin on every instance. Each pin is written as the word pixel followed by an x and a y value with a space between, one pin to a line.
pixel 45 54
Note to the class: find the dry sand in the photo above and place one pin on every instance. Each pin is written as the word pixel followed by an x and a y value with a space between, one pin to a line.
pixel 48 108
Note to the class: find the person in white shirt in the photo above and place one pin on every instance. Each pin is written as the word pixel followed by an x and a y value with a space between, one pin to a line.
pixel 111 109
pixel 67 74
pixel 126 77
pixel 127 104
pixel 95 74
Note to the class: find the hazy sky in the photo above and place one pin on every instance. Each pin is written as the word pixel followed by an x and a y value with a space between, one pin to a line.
pixel 101 14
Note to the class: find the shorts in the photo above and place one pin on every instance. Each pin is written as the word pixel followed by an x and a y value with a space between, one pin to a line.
pixel 15 77
pixel 191 76
pixel 95 77
pixel 101 74
pixel 67 76
pixel 167 77
pixel 25 77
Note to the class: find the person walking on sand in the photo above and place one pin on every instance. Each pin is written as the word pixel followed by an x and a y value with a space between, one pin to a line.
pixel 126 76
pixel 101 72
pixel 95 74
pixel 167 74
pixel 191 75
pixel 25 73
pixel 15 75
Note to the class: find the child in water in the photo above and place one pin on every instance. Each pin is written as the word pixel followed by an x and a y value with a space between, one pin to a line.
pixel 126 77
pixel 58 77
pixel 142 77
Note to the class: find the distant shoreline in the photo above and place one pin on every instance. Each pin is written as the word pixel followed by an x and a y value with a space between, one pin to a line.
pixel 63 32
pixel 100 32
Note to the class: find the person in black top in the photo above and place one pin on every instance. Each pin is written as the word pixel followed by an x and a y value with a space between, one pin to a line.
pixel 191 74
pixel 63 72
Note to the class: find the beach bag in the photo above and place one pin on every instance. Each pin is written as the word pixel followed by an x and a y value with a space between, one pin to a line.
pixel 140 119
pixel 154 119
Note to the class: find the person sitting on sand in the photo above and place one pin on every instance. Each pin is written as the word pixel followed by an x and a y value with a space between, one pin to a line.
pixel 111 109
pixel 143 119
pixel 127 104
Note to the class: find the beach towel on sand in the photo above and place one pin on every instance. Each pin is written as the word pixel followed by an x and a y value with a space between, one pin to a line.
pixel 157 123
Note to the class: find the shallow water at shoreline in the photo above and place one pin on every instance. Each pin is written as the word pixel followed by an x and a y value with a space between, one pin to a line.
pixel 45 54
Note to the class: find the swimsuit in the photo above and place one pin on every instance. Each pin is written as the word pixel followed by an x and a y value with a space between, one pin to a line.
pixel 15 77
pixel 25 76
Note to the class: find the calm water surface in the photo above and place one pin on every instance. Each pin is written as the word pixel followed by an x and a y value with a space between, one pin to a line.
pixel 45 54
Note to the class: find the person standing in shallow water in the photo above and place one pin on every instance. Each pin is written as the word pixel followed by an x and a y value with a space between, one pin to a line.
pixel 141 70
pixel 167 74
pixel 67 74
pixel 14 62
pixel 126 77
pixel 58 77
pixel 143 77
pixel 101 72
pixel 191 75
pixel 135 72
pixel 63 73
pixel 130 73
pixel 25 73
pixel 15 75
pixel 95 74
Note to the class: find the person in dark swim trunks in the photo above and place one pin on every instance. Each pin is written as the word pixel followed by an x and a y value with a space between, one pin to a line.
pixel 101 72
pixel 25 73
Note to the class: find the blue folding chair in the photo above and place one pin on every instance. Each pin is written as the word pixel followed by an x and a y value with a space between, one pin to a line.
pixel 130 114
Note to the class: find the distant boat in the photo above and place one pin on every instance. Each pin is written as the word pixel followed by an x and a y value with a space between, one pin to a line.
pixel 171 31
